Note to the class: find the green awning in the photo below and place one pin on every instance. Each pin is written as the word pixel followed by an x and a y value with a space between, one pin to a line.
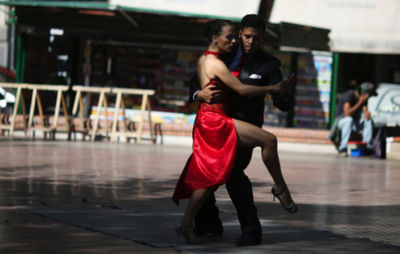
pixel 61 4
pixel 176 13
pixel 106 6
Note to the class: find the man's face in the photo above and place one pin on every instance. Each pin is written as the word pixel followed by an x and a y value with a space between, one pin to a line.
pixel 251 39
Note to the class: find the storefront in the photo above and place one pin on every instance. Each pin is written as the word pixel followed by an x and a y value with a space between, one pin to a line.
pixel 304 51
pixel 364 39
pixel 98 46
pixel 104 44
pixel 311 99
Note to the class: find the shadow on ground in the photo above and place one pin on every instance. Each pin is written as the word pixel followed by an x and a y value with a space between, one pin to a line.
pixel 121 211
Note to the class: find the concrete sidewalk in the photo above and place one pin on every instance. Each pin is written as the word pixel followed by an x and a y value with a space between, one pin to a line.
pixel 283 146
pixel 287 143
pixel 155 228
pixel 77 197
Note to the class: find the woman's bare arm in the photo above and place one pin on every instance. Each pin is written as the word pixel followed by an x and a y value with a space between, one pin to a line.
pixel 218 68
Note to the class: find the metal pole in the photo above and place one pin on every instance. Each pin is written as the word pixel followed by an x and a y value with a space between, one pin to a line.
pixel 12 26
pixel 335 73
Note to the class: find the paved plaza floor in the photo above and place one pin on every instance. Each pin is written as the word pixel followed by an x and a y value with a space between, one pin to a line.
pixel 84 197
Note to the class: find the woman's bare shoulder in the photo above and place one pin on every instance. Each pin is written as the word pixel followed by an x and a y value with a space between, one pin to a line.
pixel 214 63
pixel 211 66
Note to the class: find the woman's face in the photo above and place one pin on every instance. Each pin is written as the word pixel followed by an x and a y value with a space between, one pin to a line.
pixel 226 39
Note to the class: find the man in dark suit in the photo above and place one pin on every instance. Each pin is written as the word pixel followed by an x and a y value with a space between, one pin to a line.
pixel 256 67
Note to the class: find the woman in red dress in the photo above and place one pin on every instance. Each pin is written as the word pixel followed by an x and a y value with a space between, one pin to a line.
pixel 216 136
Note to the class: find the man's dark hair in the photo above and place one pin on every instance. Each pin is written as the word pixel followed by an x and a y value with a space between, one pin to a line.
pixel 214 27
pixel 254 21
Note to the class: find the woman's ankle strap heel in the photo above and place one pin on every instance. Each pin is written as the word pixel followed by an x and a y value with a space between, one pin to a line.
pixel 188 233
pixel 285 199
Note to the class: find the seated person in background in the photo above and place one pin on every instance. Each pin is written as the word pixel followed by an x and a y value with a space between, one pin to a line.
pixel 352 115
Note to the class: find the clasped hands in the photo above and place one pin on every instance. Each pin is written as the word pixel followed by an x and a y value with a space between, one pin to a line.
pixel 285 86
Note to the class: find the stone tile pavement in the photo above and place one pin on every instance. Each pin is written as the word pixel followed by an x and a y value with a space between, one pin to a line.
pixel 77 197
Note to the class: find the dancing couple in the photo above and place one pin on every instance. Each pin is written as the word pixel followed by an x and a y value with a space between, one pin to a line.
pixel 218 139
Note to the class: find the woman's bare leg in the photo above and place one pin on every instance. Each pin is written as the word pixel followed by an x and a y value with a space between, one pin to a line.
pixel 195 202
pixel 185 227
pixel 250 135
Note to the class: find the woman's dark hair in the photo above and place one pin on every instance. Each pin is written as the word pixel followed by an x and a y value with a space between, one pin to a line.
pixel 254 21
pixel 214 27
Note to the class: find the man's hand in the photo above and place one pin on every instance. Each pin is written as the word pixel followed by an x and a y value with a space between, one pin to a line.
pixel 209 94
pixel 286 86
pixel 367 115
pixel 363 98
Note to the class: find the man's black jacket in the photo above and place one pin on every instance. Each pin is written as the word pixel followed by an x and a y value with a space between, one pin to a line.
pixel 260 69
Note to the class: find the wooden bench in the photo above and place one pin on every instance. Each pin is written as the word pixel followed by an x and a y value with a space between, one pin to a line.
pixel 11 126
pixel 103 102
pixel 129 133
pixel 60 101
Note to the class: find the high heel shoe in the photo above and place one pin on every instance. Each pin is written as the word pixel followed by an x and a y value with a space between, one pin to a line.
pixel 285 199
pixel 188 233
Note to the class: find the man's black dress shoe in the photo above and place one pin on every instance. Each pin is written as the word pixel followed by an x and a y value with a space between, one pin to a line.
pixel 247 240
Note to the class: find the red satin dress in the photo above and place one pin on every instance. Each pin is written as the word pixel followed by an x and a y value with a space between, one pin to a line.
pixel 214 147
